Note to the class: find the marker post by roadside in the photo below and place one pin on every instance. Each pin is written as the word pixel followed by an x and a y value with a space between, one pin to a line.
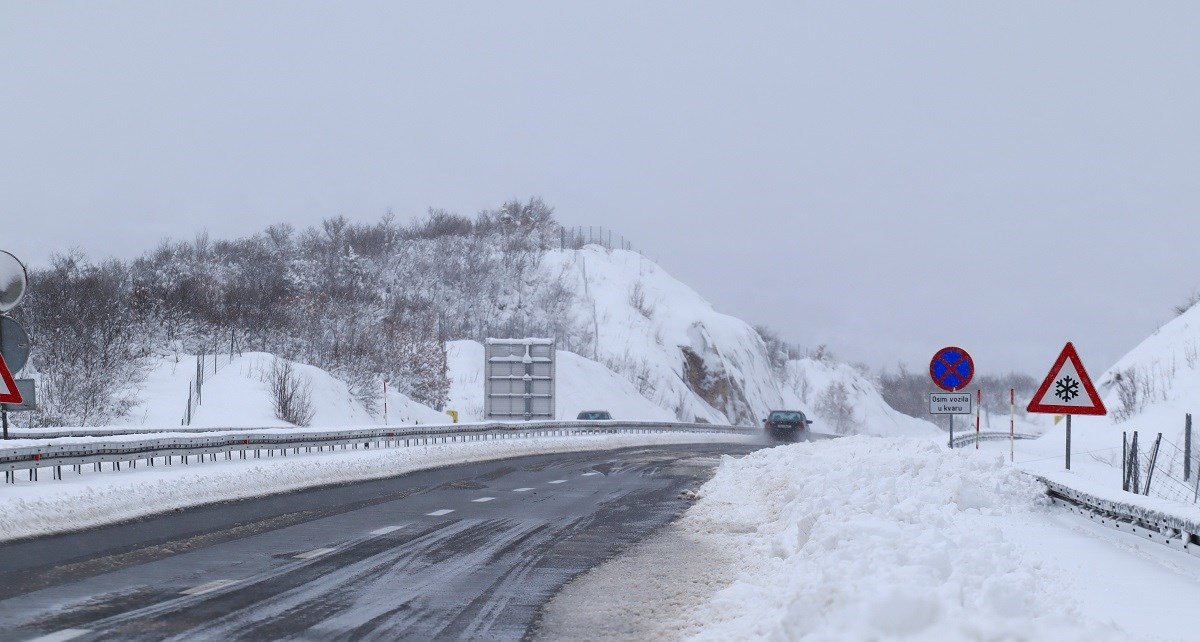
pixel 1012 422
pixel 1067 390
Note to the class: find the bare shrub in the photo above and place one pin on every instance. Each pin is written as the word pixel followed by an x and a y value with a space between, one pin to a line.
pixel 1189 303
pixel 822 354
pixel 779 352
pixel 834 406
pixel 1127 394
pixel 291 393
pixel 637 299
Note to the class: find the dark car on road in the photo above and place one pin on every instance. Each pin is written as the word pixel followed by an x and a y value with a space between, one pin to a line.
pixel 786 425
pixel 595 415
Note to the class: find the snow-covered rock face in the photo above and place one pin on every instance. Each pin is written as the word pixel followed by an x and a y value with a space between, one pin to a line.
pixel 699 364
pixel 685 356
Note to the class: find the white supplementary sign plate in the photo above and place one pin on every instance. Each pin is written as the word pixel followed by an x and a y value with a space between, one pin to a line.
pixel 950 403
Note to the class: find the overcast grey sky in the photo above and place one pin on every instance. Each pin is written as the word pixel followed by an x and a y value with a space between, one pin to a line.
pixel 884 177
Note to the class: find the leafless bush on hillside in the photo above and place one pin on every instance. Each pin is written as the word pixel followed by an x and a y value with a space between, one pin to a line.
pixel 1127 393
pixel 779 352
pixel 637 299
pixel 636 371
pixel 834 406
pixel 291 393
pixel 1189 303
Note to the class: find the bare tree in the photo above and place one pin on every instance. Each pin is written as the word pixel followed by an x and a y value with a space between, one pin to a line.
pixel 291 393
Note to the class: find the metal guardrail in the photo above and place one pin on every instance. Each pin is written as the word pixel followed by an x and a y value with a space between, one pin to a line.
pixel 167 448
pixel 1174 531
pixel 991 435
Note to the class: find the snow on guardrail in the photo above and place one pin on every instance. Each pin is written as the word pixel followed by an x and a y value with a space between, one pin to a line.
pixel 1156 523
pixel 990 435
pixel 134 447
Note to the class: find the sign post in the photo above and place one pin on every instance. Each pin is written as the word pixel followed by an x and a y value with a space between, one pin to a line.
pixel 951 369
pixel 1067 390
pixel 1012 420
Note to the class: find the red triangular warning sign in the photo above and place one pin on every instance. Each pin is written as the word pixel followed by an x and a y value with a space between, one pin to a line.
pixel 8 387
pixel 1068 389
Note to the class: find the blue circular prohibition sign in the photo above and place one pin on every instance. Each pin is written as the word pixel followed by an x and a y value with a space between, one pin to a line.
pixel 951 369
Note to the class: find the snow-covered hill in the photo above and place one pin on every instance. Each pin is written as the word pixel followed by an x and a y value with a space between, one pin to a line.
pixel 236 394
pixel 844 401
pixel 641 344
pixel 700 364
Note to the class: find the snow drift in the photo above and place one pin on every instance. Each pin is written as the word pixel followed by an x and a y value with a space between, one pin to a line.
pixel 907 543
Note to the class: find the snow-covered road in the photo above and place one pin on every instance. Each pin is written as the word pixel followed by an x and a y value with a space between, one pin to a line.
pixel 464 552
pixel 854 538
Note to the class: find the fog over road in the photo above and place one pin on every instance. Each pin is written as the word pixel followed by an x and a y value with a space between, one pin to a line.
pixel 470 551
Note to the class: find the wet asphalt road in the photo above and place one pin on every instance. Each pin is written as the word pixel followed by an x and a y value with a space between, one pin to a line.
pixel 466 552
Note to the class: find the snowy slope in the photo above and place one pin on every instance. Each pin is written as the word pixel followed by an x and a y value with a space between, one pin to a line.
pixel 815 386
pixel 235 395
pixel 583 384
pixel 696 362
pixel 654 349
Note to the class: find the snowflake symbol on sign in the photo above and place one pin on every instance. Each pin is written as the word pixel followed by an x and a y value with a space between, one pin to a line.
pixel 1066 388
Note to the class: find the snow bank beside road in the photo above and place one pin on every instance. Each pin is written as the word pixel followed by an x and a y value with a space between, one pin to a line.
pixel 862 538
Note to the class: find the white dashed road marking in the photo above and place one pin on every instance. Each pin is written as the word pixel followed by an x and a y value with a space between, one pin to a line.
pixel 61 636
pixel 590 474
pixel 209 587
pixel 316 552
pixel 558 481
pixel 439 513
pixel 386 529
pixel 522 490
pixel 483 499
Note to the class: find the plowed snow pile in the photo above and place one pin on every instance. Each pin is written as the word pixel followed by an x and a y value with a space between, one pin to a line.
pixel 866 538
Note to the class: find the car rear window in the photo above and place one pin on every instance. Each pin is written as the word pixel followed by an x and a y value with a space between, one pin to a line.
pixel 786 416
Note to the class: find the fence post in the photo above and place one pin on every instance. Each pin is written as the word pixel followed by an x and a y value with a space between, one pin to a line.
pixel 1153 459
pixel 1187 447
pixel 1135 469
pixel 1124 461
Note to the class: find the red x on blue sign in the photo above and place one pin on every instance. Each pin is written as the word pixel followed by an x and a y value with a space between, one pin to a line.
pixel 951 369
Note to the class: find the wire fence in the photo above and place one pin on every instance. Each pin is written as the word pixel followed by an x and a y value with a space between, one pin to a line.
pixel 574 238
pixel 204 368
pixel 1158 467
